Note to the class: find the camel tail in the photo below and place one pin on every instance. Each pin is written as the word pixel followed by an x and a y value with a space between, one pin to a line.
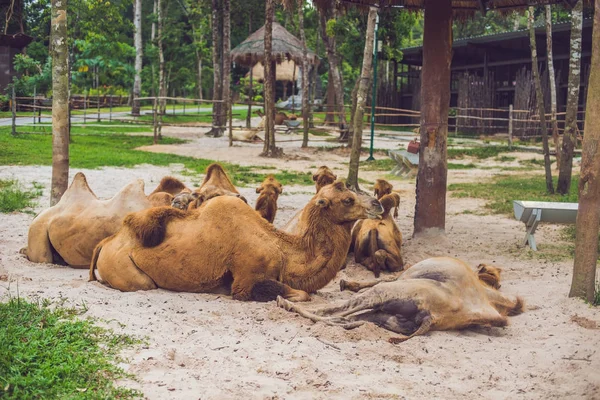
pixel 518 308
pixel 94 263
pixel 373 248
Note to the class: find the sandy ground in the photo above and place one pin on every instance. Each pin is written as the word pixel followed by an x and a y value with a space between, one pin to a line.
pixel 203 346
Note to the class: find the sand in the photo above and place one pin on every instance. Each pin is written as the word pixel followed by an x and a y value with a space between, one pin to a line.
pixel 204 346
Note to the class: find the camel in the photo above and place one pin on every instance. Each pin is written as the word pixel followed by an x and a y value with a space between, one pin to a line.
pixel 266 204
pixel 69 230
pixel 377 244
pixel 441 293
pixel 280 116
pixel 490 275
pixel 324 176
pixel 225 241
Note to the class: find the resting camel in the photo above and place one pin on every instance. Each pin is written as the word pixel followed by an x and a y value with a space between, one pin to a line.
pixel 266 204
pixel 225 241
pixel 324 176
pixel 377 244
pixel 440 293
pixel 69 230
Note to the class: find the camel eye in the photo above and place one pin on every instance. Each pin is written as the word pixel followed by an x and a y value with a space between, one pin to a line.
pixel 349 201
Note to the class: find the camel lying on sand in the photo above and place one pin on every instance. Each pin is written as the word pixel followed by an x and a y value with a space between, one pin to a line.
pixel 377 244
pixel 71 229
pixel 266 204
pixel 323 177
pixel 225 241
pixel 440 293
pixel 216 183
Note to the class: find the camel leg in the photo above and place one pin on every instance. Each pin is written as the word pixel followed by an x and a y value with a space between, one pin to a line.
pixel 389 261
pixel 121 272
pixel 377 260
pixel 423 329
pixel 270 289
pixel 333 321
pixel 354 286
pixel 503 304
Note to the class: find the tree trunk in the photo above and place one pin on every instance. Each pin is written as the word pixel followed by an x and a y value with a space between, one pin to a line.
pixel 137 82
pixel 540 101
pixel 570 133
pixel 588 215
pixel 330 95
pixel 60 101
pixel 217 119
pixel 269 150
pixel 162 91
pixel 199 73
pixel 552 79
pixel 226 61
pixel 305 92
pixel 430 208
pixel 353 110
pixel 335 69
pixel 152 40
pixel 361 97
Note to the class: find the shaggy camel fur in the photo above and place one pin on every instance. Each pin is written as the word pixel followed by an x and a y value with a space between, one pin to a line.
pixel 440 293
pixel 490 275
pixel 377 244
pixel 324 176
pixel 266 204
pixel 71 229
pixel 226 241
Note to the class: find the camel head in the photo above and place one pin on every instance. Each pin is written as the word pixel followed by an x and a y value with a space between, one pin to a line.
pixel 390 201
pixel 324 176
pixel 182 200
pixel 170 185
pixel 270 185
pixel 382 187
pixel 490 275
pixel 341 204
pixel 207 192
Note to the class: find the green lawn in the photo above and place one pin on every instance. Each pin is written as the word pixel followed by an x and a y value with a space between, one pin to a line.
pixel 94 147
pixel 48 353
pixel 14 198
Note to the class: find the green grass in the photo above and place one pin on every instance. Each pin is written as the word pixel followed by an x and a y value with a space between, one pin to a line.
pixel 50 354
pixel 477 152
pixel 105 148
pixel 193 116
pixel 14 198
pixel 501 191
pixel 505 158
pixel 461 166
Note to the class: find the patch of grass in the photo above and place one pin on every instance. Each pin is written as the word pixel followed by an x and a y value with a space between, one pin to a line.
pixel 596 301
pixel 501 191
pixel 118 150
pixel 49 354
pixel 461 166
pixel 477 152
pixel 534 162
pixel 383 164
pixel 505 158
pixel 14 198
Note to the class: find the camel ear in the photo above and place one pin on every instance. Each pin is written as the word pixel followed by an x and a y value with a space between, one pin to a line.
pixel 323 203
pixel 243 198
pixel 259 189
pixel 279 189
pixel 339 185
pixel 315 177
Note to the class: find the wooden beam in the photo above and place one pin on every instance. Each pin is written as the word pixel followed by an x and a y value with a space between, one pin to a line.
pixel 482 7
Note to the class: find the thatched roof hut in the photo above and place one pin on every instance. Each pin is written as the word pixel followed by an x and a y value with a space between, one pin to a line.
pixel 285 72
pixel 285 47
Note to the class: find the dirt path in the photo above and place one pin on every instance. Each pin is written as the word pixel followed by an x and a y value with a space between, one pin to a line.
pixel 207 346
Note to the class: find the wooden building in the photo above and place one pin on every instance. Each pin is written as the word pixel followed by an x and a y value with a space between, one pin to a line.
pixel 10 45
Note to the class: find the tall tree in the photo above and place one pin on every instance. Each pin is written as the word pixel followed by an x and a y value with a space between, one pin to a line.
pixel 570 133
pixel 137 83
pixel 361 99
pixel 335 66
pixel 430 207
pixel 588 214
pixel 162 83
pixel 552 79
pixel 305 91
pixel 226 60
pixel 60 101
pixel 217 20
pixel 540 101
pixel 269 150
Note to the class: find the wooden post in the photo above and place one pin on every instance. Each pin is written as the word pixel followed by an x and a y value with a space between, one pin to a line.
pixel 174 101
pixel 84 105
pixel 510 126
pixel 430 208
pixel 14 112
pixel 155 120
pixel 160 117
pixel 98 102
pixel 230 119
pixel 33 104
pixel 184 101
pixel 110 105
pixel 250 97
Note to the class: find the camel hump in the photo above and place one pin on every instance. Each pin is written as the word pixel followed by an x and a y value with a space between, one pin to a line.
pixel 149 226
pixel 78 186
pixel 215 175
pixel 169 184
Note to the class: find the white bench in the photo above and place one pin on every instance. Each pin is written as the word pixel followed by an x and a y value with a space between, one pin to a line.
pixel 533 212
pixel 405 162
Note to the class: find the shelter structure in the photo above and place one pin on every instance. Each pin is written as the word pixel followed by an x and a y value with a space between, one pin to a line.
pixel 287 73
pixel 430 208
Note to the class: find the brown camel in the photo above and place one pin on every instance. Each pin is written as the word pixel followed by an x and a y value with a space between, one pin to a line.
pixel 71 229
pixel 490 275
pixel 439 293
pixel 324 176
pixel 280 116
pixel 377 244
pixel 226 241
pixel 266 204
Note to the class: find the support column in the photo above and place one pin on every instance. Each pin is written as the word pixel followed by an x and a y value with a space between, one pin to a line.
pixel 430 208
